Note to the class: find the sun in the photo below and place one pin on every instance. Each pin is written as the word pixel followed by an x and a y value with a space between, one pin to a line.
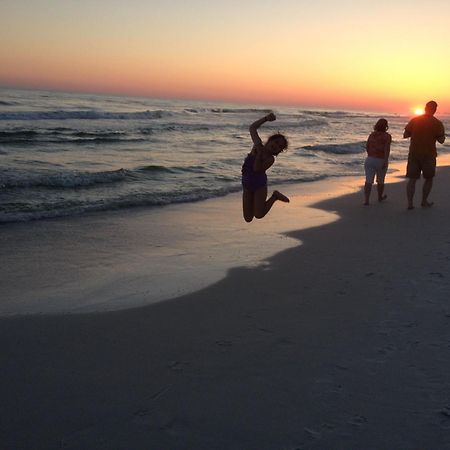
pixel 418 111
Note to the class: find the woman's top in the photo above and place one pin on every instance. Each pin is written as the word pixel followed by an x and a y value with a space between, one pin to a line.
pixel 377 143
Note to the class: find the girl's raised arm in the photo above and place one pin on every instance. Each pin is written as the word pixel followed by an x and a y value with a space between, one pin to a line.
pixel 255 125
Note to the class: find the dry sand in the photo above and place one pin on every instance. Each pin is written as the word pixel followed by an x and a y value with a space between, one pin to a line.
pixel 342 342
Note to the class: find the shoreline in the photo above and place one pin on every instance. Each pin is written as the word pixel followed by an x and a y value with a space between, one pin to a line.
pixel 121 260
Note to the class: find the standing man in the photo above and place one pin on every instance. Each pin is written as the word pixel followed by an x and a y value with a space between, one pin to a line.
pixel 424 131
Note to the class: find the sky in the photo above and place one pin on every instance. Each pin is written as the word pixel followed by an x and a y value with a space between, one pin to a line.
pixel 373 55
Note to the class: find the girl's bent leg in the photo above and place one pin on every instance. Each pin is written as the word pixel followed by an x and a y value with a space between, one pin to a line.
pixel 279 196
pixel 247 205
pixel 261 205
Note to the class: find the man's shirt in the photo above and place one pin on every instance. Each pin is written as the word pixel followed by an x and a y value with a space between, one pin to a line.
pixel 424 132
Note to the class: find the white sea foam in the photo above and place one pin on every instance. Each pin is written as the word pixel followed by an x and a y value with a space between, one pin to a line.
pixel 83 115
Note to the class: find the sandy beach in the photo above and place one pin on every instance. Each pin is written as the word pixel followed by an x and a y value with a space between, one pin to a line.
pixel 338 340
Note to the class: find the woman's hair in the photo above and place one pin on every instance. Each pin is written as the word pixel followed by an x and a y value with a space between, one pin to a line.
pixel 381 125
pixel 279 136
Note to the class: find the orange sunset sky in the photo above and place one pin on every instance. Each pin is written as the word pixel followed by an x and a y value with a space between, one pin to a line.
pixel 372 55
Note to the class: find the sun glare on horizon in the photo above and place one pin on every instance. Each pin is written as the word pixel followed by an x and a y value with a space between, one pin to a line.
pixel 418 111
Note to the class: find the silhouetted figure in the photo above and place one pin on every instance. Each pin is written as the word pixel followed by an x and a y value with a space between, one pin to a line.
pixel 378 148
pixel 424 131
pixel 254 178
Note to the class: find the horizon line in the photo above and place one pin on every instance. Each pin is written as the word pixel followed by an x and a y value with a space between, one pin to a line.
pixel 333 107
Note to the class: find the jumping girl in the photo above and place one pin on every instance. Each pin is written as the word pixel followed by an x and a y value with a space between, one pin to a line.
pixel 254 178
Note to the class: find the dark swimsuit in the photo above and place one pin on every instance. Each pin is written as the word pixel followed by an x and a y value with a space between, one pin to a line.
pixel 251 179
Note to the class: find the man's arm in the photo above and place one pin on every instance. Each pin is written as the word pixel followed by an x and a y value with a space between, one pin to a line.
pixel 407 133
pixel 255 125
pixel 441 136
pixel 408 130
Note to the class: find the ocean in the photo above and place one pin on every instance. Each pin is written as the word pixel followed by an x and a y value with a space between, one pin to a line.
pixel 69 154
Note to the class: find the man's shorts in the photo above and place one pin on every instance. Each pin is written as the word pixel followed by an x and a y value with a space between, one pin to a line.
pixel 374 166
pixel 418 164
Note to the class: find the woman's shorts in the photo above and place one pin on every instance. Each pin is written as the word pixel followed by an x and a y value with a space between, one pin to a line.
pixel 374 166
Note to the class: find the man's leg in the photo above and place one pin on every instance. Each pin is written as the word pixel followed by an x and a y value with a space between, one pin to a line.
pixel 429 170
pixel 413 169
pixel 410 189
pixel 427 185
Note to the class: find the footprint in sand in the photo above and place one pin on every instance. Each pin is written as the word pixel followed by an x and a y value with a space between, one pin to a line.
pixel 224 343
pixel 384 353
pixel 142 416
pixel 327 387
pixel 284 341
pixel 142 412
pixel 358 420
pixel 312 433
pixel 411 324
pixel 265 330
pixel 177 365
pixel 445 417
pixel 385 350
pixel 437 274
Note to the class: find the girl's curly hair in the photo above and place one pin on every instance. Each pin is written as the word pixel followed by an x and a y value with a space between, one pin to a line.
pixel 281 137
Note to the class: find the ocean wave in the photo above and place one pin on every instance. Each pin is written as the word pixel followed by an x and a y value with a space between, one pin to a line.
pixel 98 134
pixel 25 212
pixel 153 168
pixel 58 204
pixel 19 212
pixel 3 103
pixel 228 110
pixel 339 149
pixel 337 114
pixel 17 135
pixel 97 137
pixel 311 123
pixel 62 141
pixel 84 115
pixel 24 133
pixel 99 140
pixel 298 178
pixel 157 169
pixel 65 180
pixel 15 179
pixel 183 127
pixel 64 136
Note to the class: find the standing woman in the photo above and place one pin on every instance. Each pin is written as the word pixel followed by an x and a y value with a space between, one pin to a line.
pixel 254 178
pixel 378 149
